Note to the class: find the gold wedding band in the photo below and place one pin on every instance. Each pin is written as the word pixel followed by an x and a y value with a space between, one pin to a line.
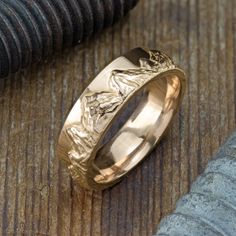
pixel 96 165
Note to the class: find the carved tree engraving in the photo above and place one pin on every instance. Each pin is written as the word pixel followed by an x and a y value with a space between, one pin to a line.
pixel 98 107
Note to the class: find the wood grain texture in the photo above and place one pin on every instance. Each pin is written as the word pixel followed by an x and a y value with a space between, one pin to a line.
pixel 37 196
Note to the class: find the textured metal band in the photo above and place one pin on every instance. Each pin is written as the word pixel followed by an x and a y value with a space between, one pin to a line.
pixel 100 103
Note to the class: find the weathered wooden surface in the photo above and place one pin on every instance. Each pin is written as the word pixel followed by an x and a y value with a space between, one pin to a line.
pixel 37 196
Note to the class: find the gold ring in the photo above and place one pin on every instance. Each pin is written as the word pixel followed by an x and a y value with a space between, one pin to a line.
pixel 97 164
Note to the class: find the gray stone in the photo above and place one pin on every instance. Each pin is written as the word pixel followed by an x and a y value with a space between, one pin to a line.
pixel 210 206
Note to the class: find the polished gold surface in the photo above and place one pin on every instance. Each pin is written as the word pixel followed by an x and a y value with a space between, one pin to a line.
pixel 96 165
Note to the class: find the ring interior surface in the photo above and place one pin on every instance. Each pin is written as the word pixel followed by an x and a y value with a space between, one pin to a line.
pixel 142 130
pixel 96 165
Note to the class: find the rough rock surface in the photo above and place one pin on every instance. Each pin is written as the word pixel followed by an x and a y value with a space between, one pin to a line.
pixel 210 206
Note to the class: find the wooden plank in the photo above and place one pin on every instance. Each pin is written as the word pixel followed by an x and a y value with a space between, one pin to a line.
pixel 37 196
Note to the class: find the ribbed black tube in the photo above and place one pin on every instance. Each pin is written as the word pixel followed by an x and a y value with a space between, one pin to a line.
pixel 33 30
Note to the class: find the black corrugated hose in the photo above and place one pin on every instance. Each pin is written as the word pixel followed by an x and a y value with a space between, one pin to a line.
pixel 31 30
